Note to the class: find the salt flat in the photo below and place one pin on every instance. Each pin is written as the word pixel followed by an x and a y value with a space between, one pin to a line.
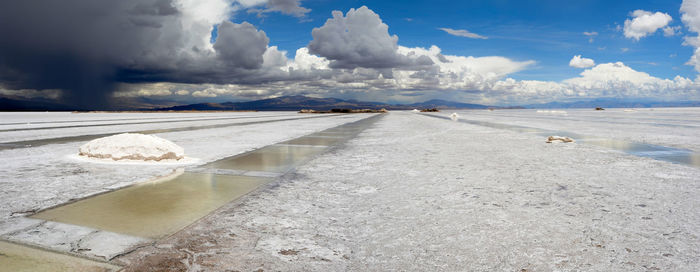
pixel 416 193
pixel 40 177
pixel 674 127
pixel 423 194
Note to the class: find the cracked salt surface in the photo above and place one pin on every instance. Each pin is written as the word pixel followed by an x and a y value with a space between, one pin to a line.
pixel 422 194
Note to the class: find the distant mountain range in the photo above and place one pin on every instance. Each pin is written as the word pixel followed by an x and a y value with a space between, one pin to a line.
pixel 7 104
pixel 613 103
pixel 298 102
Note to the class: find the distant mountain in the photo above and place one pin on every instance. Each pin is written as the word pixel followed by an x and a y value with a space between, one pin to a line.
pixel 128 103
pixel 613 103
pixel 7 104
pixel 298 102
pixel 442 104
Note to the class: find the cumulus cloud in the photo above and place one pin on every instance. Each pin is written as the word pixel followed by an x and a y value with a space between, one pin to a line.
pixel 690 10
pixel 163 49
pixel 462 33
pixel 240 45
pixel 448 72
pixel 321 69
pixel 579 62
pixel 360 39
pixel 453 72
pixel 618 80
pixel 603 80
pixel 107 42
pixel 645 23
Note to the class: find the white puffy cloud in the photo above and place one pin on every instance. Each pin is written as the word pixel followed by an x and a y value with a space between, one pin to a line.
pixel 452 72
pixel 690 10
pixel 579 62
pixel 617 78
pixel 342 60
pixel 448 72
pixel 303 60
pixel 671 31
pixel 645 23
pixel 480 79
pixel 462 33
pixel 603 80
pixel 273 57
pixel 360 39
pixel 350 54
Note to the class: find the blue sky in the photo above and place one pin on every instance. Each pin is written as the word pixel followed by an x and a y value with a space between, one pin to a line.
pixel 496 52
pixel 549 32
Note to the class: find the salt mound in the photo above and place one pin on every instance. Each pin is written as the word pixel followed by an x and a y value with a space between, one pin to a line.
pixel 454 116
pixel 132 146
pixel 551 139
pixel 415 110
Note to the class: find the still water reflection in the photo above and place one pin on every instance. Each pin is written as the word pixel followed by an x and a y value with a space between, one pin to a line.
pixel 274 158
pixel 155 209
pixel 657 152
pixel 14 257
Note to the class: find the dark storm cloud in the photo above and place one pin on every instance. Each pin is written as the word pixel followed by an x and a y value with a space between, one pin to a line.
pixel 85 47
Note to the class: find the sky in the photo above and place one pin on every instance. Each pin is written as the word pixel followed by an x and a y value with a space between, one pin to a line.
pixel 103 53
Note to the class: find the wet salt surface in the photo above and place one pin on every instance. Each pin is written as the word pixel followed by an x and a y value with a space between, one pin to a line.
pixel 675 155
pixel 418 193
pixel 275 158
pixel 16 257
pixel 157 208
pixel 671 127
pixel 37 178
pixel 106 225
pixel 415 193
